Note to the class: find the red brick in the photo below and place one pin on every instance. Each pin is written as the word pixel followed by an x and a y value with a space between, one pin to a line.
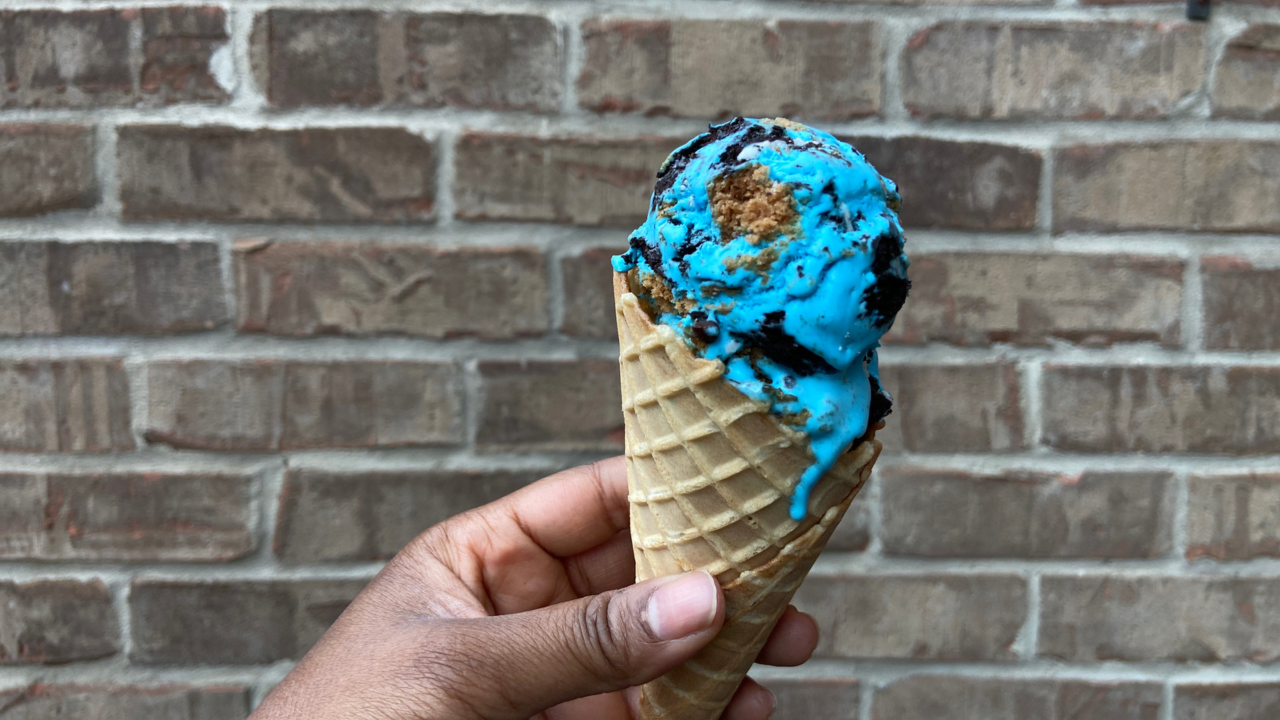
pixel 1184 619
pixel 1247 82
pixel 354 175
pixel 64 406
pixel 313 288
pixel 109 288
pixel 1241 304
pixel 551 405
pixel 125 516
pixel 1237 701
pixel 1185 409
pixel 56 621
pixel 1183 185
pixel 720 68
pixel 580 181
pixel 982 298
pixel 327 516
pixel 826 698
pixel 1233 517
pixel 588 293
pixel 232 623
pixel 274 405
pixel 1051 70
pixel 948 697
pixel 116 702
pixel 364 58
pixel 44 168
pixel 919 617
pixel 979 410
pixel 85 59
pixel 939 513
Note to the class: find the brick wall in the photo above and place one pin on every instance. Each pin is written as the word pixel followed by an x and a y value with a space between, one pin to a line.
pixel 280 287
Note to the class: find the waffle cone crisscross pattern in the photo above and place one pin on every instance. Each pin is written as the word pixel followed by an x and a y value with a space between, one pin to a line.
pixel 710 475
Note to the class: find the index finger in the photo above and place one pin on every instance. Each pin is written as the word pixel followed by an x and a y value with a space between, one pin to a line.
pixel 574 510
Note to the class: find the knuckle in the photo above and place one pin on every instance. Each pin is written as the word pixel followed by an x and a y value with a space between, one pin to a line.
pixel 604 635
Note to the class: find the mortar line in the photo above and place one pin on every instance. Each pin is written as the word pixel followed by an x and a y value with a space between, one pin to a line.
pixel 106 168
pixel 1166 700
pixel 248 97
pixel 866 698
pixel 1181 516
pixel 1032 403
pixel 446 143
pixel 1193 304
pixel 1044 192
pixel 893 38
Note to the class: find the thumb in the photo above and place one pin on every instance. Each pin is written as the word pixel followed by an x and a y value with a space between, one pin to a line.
pixel 594 645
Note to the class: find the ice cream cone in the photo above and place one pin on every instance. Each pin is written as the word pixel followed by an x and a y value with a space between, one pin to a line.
pixel 710 474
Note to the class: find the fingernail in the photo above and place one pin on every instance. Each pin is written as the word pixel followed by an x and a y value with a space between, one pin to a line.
pixel 683 607
pixel 773 702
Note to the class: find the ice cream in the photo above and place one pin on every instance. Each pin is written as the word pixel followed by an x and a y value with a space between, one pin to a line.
pixel 776 249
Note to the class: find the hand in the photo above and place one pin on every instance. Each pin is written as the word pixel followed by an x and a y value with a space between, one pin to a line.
pixel 521 608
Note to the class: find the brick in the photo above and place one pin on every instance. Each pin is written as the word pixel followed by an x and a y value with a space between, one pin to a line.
pixel 125 702
pixel 86 59
pixel 1233 517
pixel 44 168
pixel 314 288
pixel 551 405
pixel 1210 410
pixel 588 293
pixel 939 513
pixel 74 405
pixel 109 288
pixel 720 68
pixel 278 405
pixel 1060 70
pixel 947 697
pixel 579 181
pixel 925 617
pixel 232 623
pixel 965 185
pixel 56 621
pixel 1026 299
pixel 1247 82
pixel 1184 185
pixel 1184 619
pixel 828 698
pixel 356 175
pixel 1241 304
pixel 853 534
pixel 1237 701
pixel 327 516
pixel 978 412
pixel 513 62
pixel 125 516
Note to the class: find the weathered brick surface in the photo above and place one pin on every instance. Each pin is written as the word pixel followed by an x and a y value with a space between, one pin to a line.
pixel 947 697
pixel 588 293
pixel 503 61
pixel 978 412
pixel 551 405
pixel 56 621
pixel 1181 409
pixel 1184 185
pixel 125 702
pixel 1241 304
pixel 220 173
pixel 1226 701
pixel 90 58
pixel 108 288
pixel 274 405
pixel 1015 71
pixel 1247 83
pixel 232 623
pixel 827 698
pixel 981 298
pixel 920 617
pixel 327 516
pixel 125 516
pixel 939 513
pixel 1233 517
pixel 853 534
pixel 44 168
pixel 310 288
pixel 1189 619
pixel 64 406
pixel 720 68
pixel 965 185
pixel 580 181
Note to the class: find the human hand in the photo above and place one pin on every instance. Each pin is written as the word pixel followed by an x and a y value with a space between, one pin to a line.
pixel 523 607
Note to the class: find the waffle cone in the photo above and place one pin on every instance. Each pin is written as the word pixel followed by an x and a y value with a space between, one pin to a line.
pixel 710 474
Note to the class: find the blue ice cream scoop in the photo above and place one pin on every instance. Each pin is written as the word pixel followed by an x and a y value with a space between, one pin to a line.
pixel 776 249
